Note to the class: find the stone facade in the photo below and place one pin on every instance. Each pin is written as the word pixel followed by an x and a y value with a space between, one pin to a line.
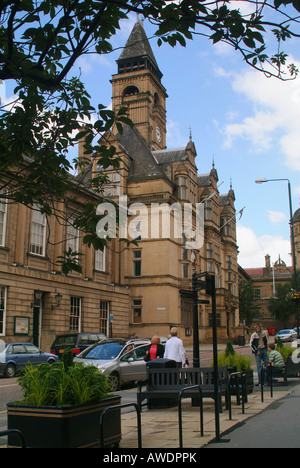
pixel 144 288
pixel 152 174
pixel 29 248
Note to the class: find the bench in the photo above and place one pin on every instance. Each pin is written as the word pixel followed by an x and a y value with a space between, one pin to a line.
pixel 167 383
pixel 290 369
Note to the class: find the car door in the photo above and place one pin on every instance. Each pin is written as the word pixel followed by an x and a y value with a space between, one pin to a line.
pixel 34 355
pixel 17 355
pixel 132 365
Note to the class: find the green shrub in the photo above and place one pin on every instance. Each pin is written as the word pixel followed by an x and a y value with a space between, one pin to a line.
pixel 242 363
pixel 285 351
pixel 62 385
pixel 229 351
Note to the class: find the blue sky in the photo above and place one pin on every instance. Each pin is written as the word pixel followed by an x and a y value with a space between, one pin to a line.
pixel 247 123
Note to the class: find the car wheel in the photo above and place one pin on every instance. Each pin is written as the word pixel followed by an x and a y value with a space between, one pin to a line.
pixel 114 382
pixel 51 361
pixel 10 371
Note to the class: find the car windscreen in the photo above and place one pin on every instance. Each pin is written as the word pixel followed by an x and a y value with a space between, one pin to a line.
pixel 90 339
pixel 104 351
pixel 67 340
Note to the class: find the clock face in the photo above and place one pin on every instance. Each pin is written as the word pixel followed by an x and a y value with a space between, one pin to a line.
pixel 158 134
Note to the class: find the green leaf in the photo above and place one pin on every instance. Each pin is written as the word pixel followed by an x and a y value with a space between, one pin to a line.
pixel 249 42
pixel 217 36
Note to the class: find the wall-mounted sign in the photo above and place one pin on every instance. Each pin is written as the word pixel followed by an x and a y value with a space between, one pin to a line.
pixel 21 325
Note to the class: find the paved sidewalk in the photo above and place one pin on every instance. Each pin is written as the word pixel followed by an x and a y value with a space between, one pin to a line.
pixel 160 428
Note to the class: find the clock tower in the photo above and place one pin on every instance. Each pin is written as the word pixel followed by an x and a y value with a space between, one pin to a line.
pixel 137 86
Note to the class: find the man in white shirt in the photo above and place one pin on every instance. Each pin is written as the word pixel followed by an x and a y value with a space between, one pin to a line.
pixel 174 349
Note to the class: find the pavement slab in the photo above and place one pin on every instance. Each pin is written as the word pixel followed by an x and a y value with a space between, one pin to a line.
pixel 160 427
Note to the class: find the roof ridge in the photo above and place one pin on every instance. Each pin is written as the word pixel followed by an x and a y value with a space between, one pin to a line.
pixel 168 150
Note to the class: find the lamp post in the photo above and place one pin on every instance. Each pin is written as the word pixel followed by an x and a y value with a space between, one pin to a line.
pixel 262 181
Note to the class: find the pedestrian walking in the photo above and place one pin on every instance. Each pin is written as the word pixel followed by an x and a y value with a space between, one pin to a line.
pixel 259 346
pixel 174 349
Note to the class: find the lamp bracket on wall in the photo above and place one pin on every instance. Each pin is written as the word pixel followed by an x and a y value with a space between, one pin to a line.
pixel 58 298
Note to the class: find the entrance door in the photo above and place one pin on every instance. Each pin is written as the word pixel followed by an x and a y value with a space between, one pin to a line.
pixel 36 325
pixel 37 317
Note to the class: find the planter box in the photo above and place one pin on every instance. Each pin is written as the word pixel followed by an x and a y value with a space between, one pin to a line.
pixel 65 427
pixel 249 381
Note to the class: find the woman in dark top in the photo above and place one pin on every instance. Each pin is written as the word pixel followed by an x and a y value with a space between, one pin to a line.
pixel 156 350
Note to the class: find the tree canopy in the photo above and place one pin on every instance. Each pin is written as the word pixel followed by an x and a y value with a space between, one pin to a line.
pixel 280 307
pixel 40 41
pixel 249 310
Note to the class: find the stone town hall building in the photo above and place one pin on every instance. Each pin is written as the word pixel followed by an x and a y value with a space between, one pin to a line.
pixel 141 288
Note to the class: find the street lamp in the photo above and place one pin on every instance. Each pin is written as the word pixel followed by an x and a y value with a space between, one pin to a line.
pixel 37 297
pixel 58 298
pixel 262 181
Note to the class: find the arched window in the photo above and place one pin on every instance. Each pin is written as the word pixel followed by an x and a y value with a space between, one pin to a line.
pixel 130 91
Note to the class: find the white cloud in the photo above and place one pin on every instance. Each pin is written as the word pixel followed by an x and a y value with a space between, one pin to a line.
pixel 297 190
pixel 276 217
pixel 272 117
pixel 91 63
pixel 223 49
pixel 174 136
pixel 245 8
pixel 253 248
pixel 126 25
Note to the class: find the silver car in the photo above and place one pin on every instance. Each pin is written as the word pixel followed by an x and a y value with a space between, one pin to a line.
pixel 121 360
pixel 286 335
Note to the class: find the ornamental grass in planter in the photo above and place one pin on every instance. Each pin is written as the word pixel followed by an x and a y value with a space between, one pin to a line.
pixel 237 363
pixel 285 351
pixel 61 406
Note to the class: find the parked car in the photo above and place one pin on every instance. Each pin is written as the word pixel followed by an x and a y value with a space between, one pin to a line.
pixel 163 340
pixel 296 330
pixel 16 356
pixel 286 335
pixel 77 342
pixel 121 360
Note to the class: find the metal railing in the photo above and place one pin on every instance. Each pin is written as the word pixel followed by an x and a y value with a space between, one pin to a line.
pixel 266 376
pixel 111 408
pixel 180 411
pixel 15 432
pixel 237 375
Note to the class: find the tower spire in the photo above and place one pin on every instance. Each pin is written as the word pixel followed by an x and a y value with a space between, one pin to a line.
pixel 138 86
pixel 137 53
